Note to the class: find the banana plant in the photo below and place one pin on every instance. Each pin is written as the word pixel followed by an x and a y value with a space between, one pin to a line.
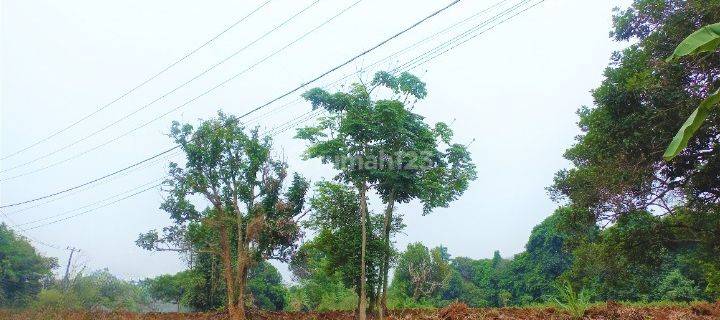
pixel 706 39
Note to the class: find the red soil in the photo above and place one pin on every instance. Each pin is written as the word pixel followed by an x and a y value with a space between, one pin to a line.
pixel 456 311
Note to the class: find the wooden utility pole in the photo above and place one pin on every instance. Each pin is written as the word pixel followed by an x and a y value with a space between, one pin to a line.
pixel 67 267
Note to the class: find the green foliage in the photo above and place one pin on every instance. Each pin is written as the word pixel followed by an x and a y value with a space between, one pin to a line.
pixel 384 143
pixel 618 164
pixel 266 286
pixel 97 290
pixel 572 302
pixel 691 125
pixel 176 288
pixel 421 273
pixel 676 287
pixel 338 240
pixel 56 299
pixel 22 269
pixel 659 216
pixel 251 214
pixel 706 39
pixel 321 284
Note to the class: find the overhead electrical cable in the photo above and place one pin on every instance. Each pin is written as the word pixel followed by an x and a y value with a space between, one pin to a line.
pixel 304 84
pixel 101 182
pixel 409 65
pixel 429 55
pixel 153 182
pixel 253 110
pixel 151 78
pixel 93 209
pixel 396 53
pixel 183 104
pixel 26 236
pixel 91 181
pixel 449 45
pixel 166 94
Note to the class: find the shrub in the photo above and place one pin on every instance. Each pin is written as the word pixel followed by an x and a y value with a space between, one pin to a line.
pixel 572 302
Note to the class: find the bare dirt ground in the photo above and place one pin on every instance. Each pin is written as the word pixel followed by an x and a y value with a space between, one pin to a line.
pixel 458 311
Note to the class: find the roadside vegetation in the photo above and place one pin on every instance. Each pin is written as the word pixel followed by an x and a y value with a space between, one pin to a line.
pixel 631 225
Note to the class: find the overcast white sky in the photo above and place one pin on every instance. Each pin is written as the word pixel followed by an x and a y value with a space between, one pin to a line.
pixel 514 89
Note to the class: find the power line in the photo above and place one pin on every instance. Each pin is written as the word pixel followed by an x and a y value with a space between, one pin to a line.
pixel 93 209
pixel 166 94
pixel 126 93
pixel 155 181
pixel 91 181
pixel 26 236
pixel 183 104
pixel 307 115
pixel 409 63
pixel 350 60
pixel 434 35
pixel 477 34
pixel 53 199
pixel 255 109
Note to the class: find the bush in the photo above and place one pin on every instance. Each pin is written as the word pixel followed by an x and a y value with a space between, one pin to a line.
pixel 56 299
pixel 676 287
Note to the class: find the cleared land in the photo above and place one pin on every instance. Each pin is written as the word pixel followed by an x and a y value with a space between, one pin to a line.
pixel 453 312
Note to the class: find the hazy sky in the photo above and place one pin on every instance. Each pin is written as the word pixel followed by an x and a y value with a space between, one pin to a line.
pixel 514 90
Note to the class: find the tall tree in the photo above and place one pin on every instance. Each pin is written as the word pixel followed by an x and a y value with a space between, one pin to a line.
pixel 233 171
pixel 412 163
pixel 382 143
pixel 618 166
pixel 643 100
pixel 344 138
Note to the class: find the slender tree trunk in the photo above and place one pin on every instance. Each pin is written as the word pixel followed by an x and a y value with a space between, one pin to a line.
pixel 378 292
pixel 242 254
pixel 363 218
pixel 241 290
pixel 228 273
pixel 386 256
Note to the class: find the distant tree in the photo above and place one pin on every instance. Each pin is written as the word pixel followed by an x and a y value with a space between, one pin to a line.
pixel 421 273
pixel 233 171
pixel 22 269
pixel 98 290
pixel 173 288
pixel 266 286
pixel 532 275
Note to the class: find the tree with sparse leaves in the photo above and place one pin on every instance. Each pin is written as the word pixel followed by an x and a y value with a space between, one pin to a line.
pixel 250 217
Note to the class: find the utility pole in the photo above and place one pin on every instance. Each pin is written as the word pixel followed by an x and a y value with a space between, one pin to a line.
pixel 67 268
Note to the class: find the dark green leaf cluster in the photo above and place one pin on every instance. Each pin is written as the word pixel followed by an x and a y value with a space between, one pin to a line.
pixel 22 269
